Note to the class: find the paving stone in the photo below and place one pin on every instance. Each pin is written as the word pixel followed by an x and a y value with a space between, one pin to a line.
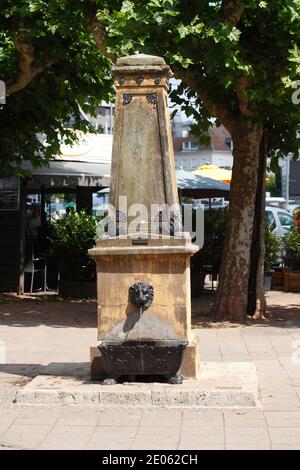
pixel 50 348
pixel 169 418
pixel 285 447
pixel 248 446
pixel 287 435
pixel 42 416
pixel 283 419
pixel 73 416
pixel 72 429
pixel 65 441
pixel 113 431
pixel 113 417
pixel 139 445
pixel 26 436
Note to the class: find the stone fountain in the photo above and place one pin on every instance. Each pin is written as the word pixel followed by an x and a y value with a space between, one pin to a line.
pixel 143 268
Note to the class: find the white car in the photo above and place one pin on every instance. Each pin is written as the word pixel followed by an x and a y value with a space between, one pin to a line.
pixel 280 220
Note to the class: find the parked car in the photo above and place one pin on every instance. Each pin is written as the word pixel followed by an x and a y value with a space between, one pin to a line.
pixel 279 220
pixel 278 202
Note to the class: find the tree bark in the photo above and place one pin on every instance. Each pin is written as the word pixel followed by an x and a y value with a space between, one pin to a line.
pixel 232 295
pixel 256 291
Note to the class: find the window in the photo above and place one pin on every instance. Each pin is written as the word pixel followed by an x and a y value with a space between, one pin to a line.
pixel 184 164
pixel 286 220
pixel 194 164
pixel 9 194
pixel 189 145
pixel 228 142
pixel 270 220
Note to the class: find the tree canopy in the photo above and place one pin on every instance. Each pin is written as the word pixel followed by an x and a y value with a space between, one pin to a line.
pixel 53 61
pixel 237 59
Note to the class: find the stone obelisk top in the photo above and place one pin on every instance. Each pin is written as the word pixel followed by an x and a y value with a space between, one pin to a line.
pixel 141 60
pixel 141 63
pixel 143 167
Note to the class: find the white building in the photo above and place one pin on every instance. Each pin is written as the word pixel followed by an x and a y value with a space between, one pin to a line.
pixel 105 116
pixel 189 154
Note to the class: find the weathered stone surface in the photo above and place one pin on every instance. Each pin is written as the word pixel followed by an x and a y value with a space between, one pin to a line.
pixel 141 59
pixel 143 171
pixel 168 317
pixel 143 167
pixel 222 385
pixel 190 364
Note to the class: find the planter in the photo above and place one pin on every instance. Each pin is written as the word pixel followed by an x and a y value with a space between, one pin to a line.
pixel 197 283
pixel 77 289
pixel 267 281
pixel 291 281
pixel 278 279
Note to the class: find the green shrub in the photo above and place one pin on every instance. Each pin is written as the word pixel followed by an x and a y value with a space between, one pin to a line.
pixel 72 236
pixel 272 245
pixel 214 238
pixel 292 245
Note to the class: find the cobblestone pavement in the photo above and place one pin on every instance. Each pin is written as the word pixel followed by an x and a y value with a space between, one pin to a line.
pixel 39 336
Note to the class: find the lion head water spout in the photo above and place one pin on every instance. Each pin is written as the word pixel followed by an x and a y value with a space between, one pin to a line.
pixel 141 294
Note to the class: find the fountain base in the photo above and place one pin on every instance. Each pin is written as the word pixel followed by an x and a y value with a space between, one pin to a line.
pixel 142 358
pixel 105 365
pixel 156 339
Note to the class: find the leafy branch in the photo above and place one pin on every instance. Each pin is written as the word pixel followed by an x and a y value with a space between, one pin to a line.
pixel 29 69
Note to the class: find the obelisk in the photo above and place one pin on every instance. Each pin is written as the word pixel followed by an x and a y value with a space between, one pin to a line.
pixel 143 269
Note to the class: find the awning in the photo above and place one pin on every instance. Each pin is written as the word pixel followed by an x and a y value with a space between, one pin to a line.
pixel 87 163
pixel 70 174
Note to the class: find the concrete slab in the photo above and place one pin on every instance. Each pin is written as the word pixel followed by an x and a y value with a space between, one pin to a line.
pixel 220 385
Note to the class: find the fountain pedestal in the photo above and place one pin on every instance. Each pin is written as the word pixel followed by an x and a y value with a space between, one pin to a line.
pixel 143 276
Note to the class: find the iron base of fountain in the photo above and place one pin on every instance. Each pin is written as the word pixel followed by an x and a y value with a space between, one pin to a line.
pixel 129 358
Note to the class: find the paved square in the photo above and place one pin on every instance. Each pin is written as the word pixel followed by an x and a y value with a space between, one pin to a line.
pixel 43 337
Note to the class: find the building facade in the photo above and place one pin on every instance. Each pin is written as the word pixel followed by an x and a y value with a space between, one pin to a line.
pixel 189 154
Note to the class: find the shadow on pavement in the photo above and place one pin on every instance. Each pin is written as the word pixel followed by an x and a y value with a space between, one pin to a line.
pixel 74 369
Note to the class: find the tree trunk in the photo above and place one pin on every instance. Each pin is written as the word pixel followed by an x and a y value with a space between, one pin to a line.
pixel 256 291
pixel 232 294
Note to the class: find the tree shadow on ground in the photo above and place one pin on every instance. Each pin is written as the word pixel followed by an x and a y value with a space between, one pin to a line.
pixel 78 370
pixel 58 314
pixel 21 374
pixel 278 315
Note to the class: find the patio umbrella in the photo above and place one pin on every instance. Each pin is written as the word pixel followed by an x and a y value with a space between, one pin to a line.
pixel 214 172
pixel 195 186
pixel 198 186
